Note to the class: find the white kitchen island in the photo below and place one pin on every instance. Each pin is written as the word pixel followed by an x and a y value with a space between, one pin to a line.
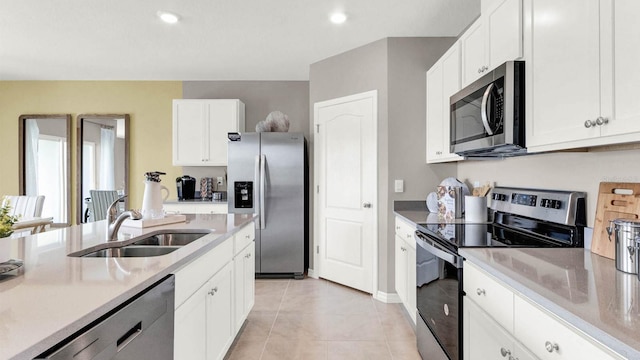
pixel 53 295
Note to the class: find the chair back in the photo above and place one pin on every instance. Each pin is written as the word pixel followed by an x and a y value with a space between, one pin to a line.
pixel 100 201
pixel 25 206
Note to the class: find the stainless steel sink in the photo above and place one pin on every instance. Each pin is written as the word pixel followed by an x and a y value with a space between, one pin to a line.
pixel 170 239
pixel 153 244
pixel 132 251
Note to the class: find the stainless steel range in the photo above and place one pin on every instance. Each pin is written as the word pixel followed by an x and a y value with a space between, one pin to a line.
pixel 521 218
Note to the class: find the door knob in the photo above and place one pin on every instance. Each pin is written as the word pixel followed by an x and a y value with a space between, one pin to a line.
pixel 366 205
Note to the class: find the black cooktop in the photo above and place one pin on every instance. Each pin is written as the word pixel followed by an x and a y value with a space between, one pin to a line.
pixel 507 230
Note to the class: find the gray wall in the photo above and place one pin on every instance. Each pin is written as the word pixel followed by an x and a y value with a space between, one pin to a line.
pixel 396 68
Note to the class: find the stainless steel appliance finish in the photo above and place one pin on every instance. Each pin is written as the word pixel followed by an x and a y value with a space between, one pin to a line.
pixel 140 329
pixel 626 233
pixel 266 175
pixel 521 218
pixel 487 117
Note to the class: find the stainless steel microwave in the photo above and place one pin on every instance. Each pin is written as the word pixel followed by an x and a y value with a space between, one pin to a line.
pixel 487 117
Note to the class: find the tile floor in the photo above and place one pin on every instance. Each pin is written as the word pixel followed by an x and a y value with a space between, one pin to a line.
pixel 317 319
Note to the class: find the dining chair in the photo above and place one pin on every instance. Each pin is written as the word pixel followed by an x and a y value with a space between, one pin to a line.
pixel 100 201
pixel 25 206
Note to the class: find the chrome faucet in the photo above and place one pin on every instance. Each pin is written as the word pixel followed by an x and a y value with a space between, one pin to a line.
pixel 114 220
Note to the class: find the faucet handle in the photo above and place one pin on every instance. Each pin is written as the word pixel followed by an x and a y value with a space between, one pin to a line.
pixel 112 210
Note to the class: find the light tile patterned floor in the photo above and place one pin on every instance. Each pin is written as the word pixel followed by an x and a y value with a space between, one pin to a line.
pixel 317 319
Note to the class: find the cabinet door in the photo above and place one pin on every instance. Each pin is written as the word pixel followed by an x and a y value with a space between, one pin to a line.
pixel 210 208
pixel 411 303
pixel 483 338
pixel 435 116
pixel 178 208
pixel 503 25
pixel 244 284
pixel 401 269
pixel 190 327
pixel 223 116
pixel 188 137
pixel 562 71
pixel 450 86
pixel 620 70
pixel 219 316
pixel 473 47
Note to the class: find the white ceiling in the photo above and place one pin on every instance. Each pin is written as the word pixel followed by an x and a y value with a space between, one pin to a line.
pixel 215 40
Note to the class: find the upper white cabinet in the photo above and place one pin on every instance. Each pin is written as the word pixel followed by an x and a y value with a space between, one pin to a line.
pixel 443 80
pixel 200 130
pixel 581 73
pixel 491 40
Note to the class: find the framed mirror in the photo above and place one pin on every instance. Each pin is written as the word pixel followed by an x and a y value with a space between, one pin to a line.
pixel 45 164
pixel 103 163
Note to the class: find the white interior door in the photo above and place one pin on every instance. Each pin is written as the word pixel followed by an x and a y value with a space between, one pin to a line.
pixel 346 183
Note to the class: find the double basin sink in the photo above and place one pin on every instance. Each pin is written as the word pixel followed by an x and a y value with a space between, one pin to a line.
pixel 153 244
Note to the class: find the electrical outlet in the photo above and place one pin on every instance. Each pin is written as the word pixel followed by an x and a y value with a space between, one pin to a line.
pixel 220 180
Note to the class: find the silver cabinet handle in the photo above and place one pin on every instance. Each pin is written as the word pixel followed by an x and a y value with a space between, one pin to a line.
pixel 551 347
pixel 366 205
pixel 409 236
pixel 504 352
pixel 397 227
pixel 589 123
pixel 213 291
pixel 247 256
pixel 602 121
pixel 480 292
pixel 247 236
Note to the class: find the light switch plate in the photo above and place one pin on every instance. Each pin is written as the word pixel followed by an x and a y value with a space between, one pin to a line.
pixel 220 180
pixel 399 186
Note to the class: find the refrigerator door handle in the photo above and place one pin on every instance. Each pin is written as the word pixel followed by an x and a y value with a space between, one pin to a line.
pixel 256 190
pixel 263 165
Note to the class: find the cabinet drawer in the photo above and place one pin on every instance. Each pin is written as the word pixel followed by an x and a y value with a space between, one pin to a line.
pixel 405 231
pixel 210 208
pixel 178 208
pixel 244 237
pixel 537 330
pixel 490 295
pixel 192 276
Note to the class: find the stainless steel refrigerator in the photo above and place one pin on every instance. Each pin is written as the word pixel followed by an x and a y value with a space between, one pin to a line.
pixel 267 175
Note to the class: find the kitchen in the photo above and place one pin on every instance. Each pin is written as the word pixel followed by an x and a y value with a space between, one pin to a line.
pixel 149 103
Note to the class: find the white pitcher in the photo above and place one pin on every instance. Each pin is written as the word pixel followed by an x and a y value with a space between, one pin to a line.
pixel 152 200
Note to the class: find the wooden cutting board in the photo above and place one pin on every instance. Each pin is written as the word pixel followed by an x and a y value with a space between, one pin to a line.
pixel 613 204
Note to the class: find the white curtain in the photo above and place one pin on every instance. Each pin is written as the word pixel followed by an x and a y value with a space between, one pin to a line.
pixel 32 134
pixel 107 158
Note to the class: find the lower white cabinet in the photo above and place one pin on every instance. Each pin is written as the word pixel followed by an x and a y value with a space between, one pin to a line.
pixel 500 323
pixel 214 294
pixel 405 267
pixel 244 264
pixel 485 339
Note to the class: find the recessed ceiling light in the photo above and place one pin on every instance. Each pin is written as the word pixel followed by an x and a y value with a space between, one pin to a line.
pixel 338 18
pixel 169 18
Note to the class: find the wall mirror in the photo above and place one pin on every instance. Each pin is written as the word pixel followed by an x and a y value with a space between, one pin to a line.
pixel 45 162
pixel 103 163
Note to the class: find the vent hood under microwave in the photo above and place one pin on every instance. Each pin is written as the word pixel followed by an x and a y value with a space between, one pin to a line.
pixel 487 117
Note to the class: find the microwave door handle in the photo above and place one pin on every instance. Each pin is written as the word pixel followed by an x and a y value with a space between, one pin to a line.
pixel 484 111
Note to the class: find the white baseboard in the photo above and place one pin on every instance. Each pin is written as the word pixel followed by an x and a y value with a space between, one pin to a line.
pixel 311 273
pixel 389 298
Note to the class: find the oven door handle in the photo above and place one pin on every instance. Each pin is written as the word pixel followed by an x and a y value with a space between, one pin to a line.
pixel 483 109
pixel 438 250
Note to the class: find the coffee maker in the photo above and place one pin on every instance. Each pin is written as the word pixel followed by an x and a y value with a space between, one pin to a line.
pixel 186 186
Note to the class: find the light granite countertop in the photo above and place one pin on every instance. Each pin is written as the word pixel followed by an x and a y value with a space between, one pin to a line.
pixel 54 295
pixel 579 287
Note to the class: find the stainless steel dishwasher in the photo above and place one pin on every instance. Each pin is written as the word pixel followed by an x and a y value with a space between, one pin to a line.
pixel 141 328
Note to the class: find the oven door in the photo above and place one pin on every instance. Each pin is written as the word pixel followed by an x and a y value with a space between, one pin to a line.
pixel 439 298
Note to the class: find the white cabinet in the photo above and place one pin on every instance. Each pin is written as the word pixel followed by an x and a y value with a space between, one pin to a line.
pixel 405 266
pixel 443 80
pixel 485 339
pixel 195 208
pixel 200 130
pixel 496 37
pixel 581 73
pixel 203 323
pixel 213 296
pixel 474 59
pixel 244 263
pixel 499 323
